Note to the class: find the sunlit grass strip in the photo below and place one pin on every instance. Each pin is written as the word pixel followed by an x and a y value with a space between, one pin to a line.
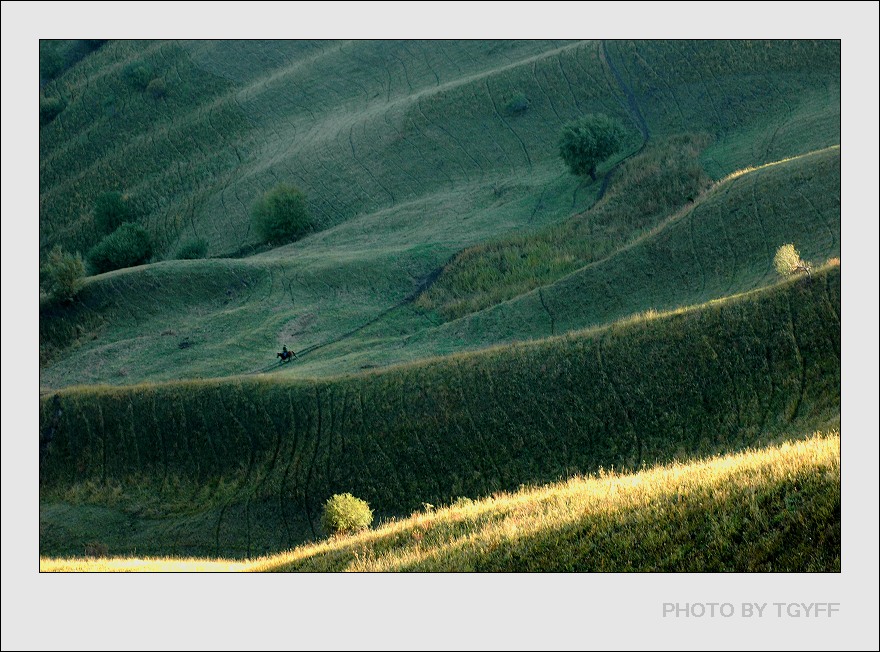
pixel 747 170
pixel 644 521
pixel 734 512
pixel 145 565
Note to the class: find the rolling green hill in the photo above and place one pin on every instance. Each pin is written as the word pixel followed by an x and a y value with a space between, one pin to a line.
pixel 773 510
pixel 241 466
pixel 469 316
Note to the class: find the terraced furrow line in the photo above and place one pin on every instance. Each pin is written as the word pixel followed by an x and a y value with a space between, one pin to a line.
pixel 470 417
pixel 545 93
pixel 439 45
pixel 246 479
pixel 207 430
pixel 132 436
pixel 598 47
pixel 362 198
pixel 367 169
pixel 414 429
pixel 662 79
pixel 308 482
pixel 405 71
pixel 373 70
pixel 724 125
pixel 549 314
pixel 630 97
pixel 694 251
pixel 505 123
pixel 819 214
pixel 290 460
pixel 834 309
pixel 355 82
pixel 267 473
pixel 726 372
pixel 801 361
pixel 456 141
pixel 428 63
pixel 330 455
pixel 676 67
pixel 421 156
pixel 159 430
pixel 757 213
pixel 568 82
pixel 731 272
pixel 368 434
pixel 600 342
pixel 451 150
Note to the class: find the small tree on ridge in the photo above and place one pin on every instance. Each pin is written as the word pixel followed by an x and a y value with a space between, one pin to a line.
pixel 586 142
pixel 788 261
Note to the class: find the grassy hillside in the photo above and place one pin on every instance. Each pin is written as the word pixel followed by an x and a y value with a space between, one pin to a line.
pixel 424 172
pixel 469 316
pixel 772 510
pixel 236 467
pixel 328 291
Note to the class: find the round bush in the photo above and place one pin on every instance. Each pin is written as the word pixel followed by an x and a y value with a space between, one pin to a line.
pixel 112 210
pixel 191 249
pixel 343 513
pixel 156 88
pixel 281 215
pixel 127 246
pixel 62 275
pixel 787 260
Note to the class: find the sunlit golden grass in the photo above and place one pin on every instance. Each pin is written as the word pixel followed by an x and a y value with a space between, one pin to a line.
pixel 738 173
pixel 137 565
pixel 769 509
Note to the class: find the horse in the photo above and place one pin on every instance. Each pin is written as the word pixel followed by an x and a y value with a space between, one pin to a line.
pixel 286 356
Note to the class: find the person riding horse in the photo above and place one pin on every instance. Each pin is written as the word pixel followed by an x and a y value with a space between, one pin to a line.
pixel 285 355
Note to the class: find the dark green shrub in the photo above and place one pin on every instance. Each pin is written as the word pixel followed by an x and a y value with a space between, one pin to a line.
pixel 112 210
pixel 281 215
pixel 518 104
pixel 61 277
pixel 127 246
pixel 50 107
pixel 191 249
pixel 138 75
pixel 343 513
pixel 156 88
pixel 586 142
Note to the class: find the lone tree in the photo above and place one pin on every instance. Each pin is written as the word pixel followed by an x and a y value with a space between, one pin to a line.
pixel 62 275
pixel 586 142
pixel 343 513
pixel 281 215
pixel 788 261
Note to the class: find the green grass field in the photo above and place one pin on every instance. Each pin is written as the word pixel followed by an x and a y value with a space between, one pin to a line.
pixel 772 510
pixel 469 316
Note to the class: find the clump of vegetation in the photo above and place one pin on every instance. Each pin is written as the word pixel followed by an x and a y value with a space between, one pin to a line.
pixel 192 249
pixel 281 215
pixel 127 246
pixel 156 88
pixel 62 275
pixel 112 210
pixel 343 514
pixel 586 142
pixel 518 104
pixel 138 75
pixel 788 261
pixel 50 107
